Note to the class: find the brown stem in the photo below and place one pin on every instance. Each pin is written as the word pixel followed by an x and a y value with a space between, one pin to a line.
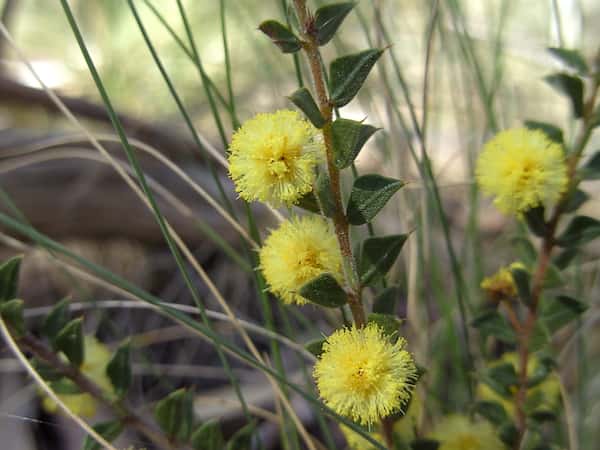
pixel 41 351
pixel 524 330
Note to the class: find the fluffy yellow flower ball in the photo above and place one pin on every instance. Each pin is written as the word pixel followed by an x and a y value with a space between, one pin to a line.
pixel 272 157
pixel 298 251
pixel 501 285
pixel 523 169
pixel 545 395
pixel 363 375
pixel 96 358
pixel 459 433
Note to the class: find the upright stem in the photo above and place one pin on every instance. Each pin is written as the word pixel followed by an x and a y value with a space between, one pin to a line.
pixel 524 330
pixel 340 221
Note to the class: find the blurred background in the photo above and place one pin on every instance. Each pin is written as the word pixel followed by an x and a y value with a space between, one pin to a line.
pixel 485 65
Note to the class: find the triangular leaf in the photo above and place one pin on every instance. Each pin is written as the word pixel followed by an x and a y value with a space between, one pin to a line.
pixel 108 430
pixel 536 221
pixel 56 320
pixel 324 194
pixel 492 411
pixel 208 436
pixel 389 323
pixel 369 195
pixel 557 312
pixel 118 369
pixel 348 138
pixel 581 230
pixel 69 340
pixel 348 73
pixel 385 301
pixel 174 414
pixel 9 278
pixel 571 86
pixel 281 36
pixel 553 132
pixel 315 346
pixel 324 290
pixel 303 99
pixel 491 323
pixel 576 199
pixel 591 170
pixel 12 313
pixel 242 438
pixel 377 256
pixel 521 279
pixel 571 58
pixel 328 19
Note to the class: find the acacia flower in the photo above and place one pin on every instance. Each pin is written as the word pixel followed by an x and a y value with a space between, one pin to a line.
pixel 96 358
pixel 298 251
pixel 523 169
pixel 501 285
pixel 459 433
pixel 272 157
pixel 363 375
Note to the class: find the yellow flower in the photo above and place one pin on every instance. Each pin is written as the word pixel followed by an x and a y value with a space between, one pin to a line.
pixel 357 442
pixel 296 252
pixel 363 375
pixel 545 395
pixel 96 358
pixel 523 169
pixel 459 433
pixel 273 157
pixel 501 285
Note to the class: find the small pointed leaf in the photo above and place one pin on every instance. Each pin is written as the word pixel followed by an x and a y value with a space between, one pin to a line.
pixel 56 320
pixel 242 439
pixel 208 436
pixel 564 258
pixel 553 132
pixel 119 369
pixel 69 340
pixel 369 195
pixel 491 323
pixel 591 170
pixel 324 290
pixel 315 346
pixel 536 221
pixel 349 137
pixel 492 411
pixel 108 430
pixel 281 36
pixel 502 378
pixel 570 58
pixel 577 198
pixel 328 19
pixel 9 278
pixel 521 278
pixel 557 312
pixel 377 256
pixel 508 433
pixel 385 301
pixel 571 86
pixel 348 73
pixel 12 313
pixel 325 194
pixel 389 323
pixel 308 202
pixel 303 99
pixel 174 414
pixel 581 230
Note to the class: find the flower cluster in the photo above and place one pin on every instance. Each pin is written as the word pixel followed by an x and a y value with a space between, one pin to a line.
pixel 501 285
pixel 459 433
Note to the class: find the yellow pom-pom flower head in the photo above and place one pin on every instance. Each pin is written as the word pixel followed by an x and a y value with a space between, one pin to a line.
pixel 523 169
pixel 298 251
pixel 272 157
pixel 459 433
pixel 501 285
pixel 363 375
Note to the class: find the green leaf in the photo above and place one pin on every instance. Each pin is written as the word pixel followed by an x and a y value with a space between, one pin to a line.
pixel 303 99
pixel 69 340
pixel 46 371
pixel 492 411
pixel 595 119
pixel 576 199
pixel 64 386
pixel 521 278
pixel 536 221
pixel 502 378
pixel 369 195
pixel 389 323
pixel 242 438
pixel 581 230
pixel 526 250
pixel 424 444
pixel 328 19
pixel 591 170
pixel 324 290
pixel 118 369
pixel 553 132
pixel 543 368
pixel 558 312
pixel 491 323
pixel 12 313
pixel 348 138
pixel 208 436
pixel 348 73
pixel 174 414
pixel 570 58
pixel 553 277
pixel 315 346
pixel 377 255
pixel 571 86
pixel 385 301
pixel 508 434
pixel 56 320
pixel 108 430
pixel 542 415
pixel 564 258
pixel 308 202
pixel 9 278
pixel 281 36
pixel 325 194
